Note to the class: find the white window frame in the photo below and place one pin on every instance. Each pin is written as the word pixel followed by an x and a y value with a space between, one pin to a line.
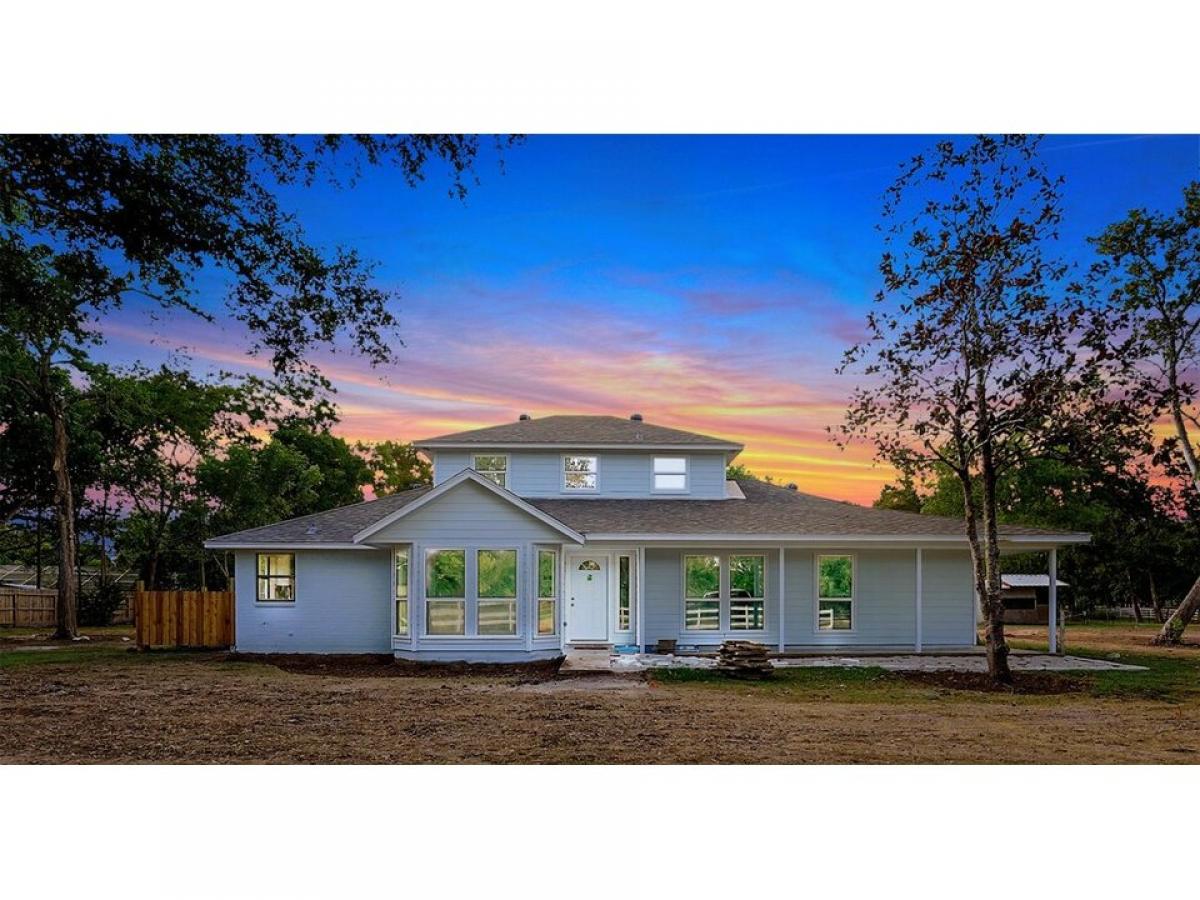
pixel 258 579
pixel 654 473
pixel 539 599
pixel 487 473
pixel 407 550
pixel 562 468
pixel 515 600
pixel 426 599
pixel 729 593
pixel 852 599
pixel 721 590
pixel 724 630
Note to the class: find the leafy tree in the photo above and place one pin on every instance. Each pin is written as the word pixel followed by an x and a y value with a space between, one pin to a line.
pixel 971 361
pixel 1150 266
pixel 397 466
pixel 740 471
pixel 87 221
pixel 903 496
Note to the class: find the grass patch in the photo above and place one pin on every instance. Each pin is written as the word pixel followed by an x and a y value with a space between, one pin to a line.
pixel 94 655
pixel 857 684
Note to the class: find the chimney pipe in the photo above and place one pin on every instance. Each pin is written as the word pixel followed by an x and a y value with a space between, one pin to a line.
pixel 791 486
pixel 523 417
pixel 636 417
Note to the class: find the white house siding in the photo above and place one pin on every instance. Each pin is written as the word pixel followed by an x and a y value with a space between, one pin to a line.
pixel 884 601
pixel 624 475
pixel 342 605
pixel 470 517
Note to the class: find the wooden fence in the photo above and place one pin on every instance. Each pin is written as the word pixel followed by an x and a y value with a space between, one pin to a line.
pixel 184 618
pixel 28 608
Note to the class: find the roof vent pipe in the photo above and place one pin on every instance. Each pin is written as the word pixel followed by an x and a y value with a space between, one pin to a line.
pixel 636 417
pixel 523 417
pixel 791 486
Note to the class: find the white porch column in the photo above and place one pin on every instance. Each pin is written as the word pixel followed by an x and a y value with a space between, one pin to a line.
pixel 919 600
pixel 640 612
pixel 782 597
pixel 1052 597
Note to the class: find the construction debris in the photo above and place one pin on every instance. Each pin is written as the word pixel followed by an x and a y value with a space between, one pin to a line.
pixel 744 659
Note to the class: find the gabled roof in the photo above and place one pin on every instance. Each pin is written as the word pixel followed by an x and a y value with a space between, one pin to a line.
pixel 579 431
pixel 768 510
pixel 350 527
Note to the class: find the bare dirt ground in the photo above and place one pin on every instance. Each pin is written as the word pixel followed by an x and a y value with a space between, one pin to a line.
pixel 104 703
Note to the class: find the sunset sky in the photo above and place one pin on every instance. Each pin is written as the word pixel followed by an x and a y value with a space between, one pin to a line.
pixel 710 283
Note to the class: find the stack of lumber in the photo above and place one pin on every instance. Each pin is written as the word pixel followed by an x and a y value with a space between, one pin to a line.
pixel 744 659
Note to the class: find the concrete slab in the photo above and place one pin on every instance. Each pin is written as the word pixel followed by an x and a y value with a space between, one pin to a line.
pixel 593 661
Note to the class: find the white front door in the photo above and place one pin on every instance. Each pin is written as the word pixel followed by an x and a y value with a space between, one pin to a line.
pixel 587 602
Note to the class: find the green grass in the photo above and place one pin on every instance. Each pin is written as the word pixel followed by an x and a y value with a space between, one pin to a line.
pixel 94 654
pixel 858 684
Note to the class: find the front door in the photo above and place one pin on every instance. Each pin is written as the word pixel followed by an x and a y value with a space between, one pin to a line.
pixel 587 603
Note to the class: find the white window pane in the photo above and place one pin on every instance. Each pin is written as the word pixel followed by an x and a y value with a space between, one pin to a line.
pixel 664 465
pixel 835 615
pixel 445 616
pixel 670 482
pixel 497 616
pixel 546 617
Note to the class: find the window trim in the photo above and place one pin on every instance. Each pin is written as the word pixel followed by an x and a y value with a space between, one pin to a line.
pixel 538 599
pixel 425 598
pixel 687 476
pixel 258 601
pixel 515 599
pixel 562 473
pixel 720 598
pixel 507 468
pixel 852 599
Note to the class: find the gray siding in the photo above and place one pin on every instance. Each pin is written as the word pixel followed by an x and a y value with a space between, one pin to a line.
pixel 884 602
pixel 622 474
pixel 342 605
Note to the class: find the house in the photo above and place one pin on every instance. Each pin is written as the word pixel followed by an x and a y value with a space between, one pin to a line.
pixel 1027 598
pixel 542 534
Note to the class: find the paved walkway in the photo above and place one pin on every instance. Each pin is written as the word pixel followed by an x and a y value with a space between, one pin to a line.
pixel 594 661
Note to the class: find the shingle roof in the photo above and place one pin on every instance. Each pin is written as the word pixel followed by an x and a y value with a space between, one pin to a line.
pixel 767 509
pixel 580 431
pixel 333 526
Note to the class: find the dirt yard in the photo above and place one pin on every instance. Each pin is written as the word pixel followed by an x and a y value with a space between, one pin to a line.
pixel 106 703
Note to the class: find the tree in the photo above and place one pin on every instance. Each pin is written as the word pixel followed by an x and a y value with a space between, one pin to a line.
pixel 903 496
pixel 1150 264
pixel 971 358
pixel 397 466
pixel 87 221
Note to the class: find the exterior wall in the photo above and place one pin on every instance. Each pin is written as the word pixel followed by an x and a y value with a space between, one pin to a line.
pixel 342 605
pixel 470 517
pixel 884 599
pixel 621 474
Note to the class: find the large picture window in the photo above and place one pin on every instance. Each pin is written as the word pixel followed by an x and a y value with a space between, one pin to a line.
pixel 276 578
pixel 547 593
pixel 580 473
pixel 670 473
pixel 402 591
pixel 445 591
pixel 496 592
pixel 494 468
pixel 702 593
pixel 747 593
pixel 835 593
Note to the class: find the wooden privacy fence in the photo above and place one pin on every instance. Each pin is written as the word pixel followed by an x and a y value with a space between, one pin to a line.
pixel 28 608
pixel 184 618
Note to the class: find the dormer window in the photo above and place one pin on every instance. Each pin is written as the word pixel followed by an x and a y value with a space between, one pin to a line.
pixel 493 468
pixel 580 473
pixel 670 474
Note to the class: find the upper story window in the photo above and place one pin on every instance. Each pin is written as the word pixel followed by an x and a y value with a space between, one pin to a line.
pixel 670 473
pixel 494 468
pixel 580 473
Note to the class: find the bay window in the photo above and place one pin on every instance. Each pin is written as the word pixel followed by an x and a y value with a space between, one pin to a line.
pixel 496 592
pixel 402 591
pixel 445 591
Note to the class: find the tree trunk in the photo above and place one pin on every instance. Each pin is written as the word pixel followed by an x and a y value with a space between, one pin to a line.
pixel 1172 630
pixel 1155 601
pixel 64 507
pixel 1137 608
pixel 987 587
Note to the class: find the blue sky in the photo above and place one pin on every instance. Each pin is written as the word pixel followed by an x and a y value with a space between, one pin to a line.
pixel 708 282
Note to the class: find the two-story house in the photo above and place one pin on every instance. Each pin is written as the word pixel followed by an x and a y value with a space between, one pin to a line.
pixel 545 533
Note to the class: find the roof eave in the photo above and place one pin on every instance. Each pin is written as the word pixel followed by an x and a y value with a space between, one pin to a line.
pixel 576 445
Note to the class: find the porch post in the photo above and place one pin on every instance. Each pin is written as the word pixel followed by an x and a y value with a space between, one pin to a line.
pixel 782 597
pixel 1052 597
pixel 919 599
pixel 639 630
